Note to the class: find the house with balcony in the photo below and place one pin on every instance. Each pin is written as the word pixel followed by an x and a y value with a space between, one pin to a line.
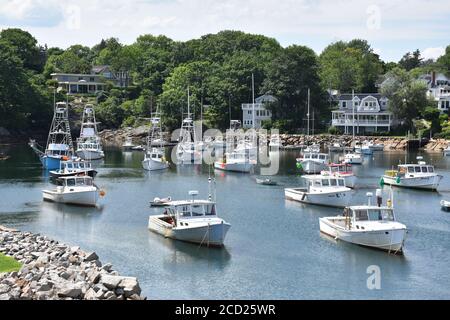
pixel 365 112
pixel 91 83
pixel 257 112
pixel 438 86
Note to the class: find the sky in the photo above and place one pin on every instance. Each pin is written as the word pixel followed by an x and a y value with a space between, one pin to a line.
pixel 392 27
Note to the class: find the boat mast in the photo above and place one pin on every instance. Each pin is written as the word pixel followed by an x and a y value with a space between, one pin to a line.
pixel 353 108
pixel 253 99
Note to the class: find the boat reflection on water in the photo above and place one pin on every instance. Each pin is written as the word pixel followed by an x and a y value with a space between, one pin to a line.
pixel 59 209
pixel 182 254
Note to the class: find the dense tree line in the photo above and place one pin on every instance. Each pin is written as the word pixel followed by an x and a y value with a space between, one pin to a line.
pixel 217 69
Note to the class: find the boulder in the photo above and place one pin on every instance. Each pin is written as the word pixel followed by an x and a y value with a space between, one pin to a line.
pixel 111 282
pixel 130 286
pixel 91 256
pixel 69 291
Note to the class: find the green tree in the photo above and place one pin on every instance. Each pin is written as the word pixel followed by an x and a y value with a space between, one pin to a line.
pixel 350 65
pixel 411 60
pixel 407 95
pixel 25 48
pixel 289 77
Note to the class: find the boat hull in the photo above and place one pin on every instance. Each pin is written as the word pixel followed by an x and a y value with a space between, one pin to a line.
pixel 208 235
pixel 388 240
pixel 152 165
pixel 90 154
pixel 56 174
pixel 424 182
pixel 338 199
pixel 87 198
pixel 234 167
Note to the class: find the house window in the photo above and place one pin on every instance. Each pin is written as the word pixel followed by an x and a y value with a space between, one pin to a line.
pixel 344 104
pixel 92 79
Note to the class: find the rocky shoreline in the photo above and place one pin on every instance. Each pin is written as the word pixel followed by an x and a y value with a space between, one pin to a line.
pixel 290 141
pixel 54 271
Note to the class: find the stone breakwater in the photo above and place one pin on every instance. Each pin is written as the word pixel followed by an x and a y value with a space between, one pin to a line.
pixel 139 135
pixel 54 271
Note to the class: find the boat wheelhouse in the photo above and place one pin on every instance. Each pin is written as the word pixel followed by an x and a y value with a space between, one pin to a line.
pixel 342 170
pixel 74 168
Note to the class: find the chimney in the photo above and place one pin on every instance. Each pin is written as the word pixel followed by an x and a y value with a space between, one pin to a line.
pixel 433 79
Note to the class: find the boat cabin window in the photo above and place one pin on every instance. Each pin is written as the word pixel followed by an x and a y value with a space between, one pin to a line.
pixel 322 157
pixel 417 169
pixel 314 156
pixel 361 215
pixel 424 169
pixel 317 183
pixel 325 183
pixel 341 182
pixel 70 182
pixel 410 169
pixel 210 210
pixel 430 169
pixel 333 182
pixel 185 211
pixel 197 210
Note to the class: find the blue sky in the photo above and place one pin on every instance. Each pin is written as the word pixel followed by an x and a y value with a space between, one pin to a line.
pixel 392 27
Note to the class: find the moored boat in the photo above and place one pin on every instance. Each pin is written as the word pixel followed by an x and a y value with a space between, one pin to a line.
pixel 59 143
pixel 324 190
pixel 311 162
pixel 79 191
pixel 154 157
pixel 89 145
pixel 367 225
pixel 418 176
pixel 194 221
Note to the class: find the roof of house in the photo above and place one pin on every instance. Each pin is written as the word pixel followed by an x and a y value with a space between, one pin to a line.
pixel 99 69
pixel 265 98
pixel 361 96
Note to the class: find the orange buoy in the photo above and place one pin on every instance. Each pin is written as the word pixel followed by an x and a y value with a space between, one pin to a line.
pixel 102 193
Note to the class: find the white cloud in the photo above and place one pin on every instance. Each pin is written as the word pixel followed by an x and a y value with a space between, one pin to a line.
pixel 433 53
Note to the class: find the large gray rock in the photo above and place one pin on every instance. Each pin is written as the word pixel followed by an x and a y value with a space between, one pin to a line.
pixel 69 291
pixel 91 256
pixel 130 286
pixel 111 282
pixel 4 288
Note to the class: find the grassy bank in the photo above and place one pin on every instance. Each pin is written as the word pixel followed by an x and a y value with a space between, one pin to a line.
pixel 8 264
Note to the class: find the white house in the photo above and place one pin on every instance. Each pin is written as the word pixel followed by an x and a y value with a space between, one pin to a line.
pixel 90 83
pixel 257 112
pixel 366 112
pixel 438 89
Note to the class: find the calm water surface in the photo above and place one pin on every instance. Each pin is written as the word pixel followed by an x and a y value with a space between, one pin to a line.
pixel 274 249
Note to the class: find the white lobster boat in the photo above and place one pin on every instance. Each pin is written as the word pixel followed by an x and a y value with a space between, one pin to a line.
pixel 89 146
pixel 74 190
pixel 324 190
pixel 418 176
pixel 236 161
pixel 353 158
pixel 342 170
pixel 367 225
pixel 154 156
pixel 194 221
pixel 311 162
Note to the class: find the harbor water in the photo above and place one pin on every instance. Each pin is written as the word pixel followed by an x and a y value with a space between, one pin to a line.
pixel 274 249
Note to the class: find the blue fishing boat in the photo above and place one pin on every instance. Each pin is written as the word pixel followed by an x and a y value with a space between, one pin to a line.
pixel 59 143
